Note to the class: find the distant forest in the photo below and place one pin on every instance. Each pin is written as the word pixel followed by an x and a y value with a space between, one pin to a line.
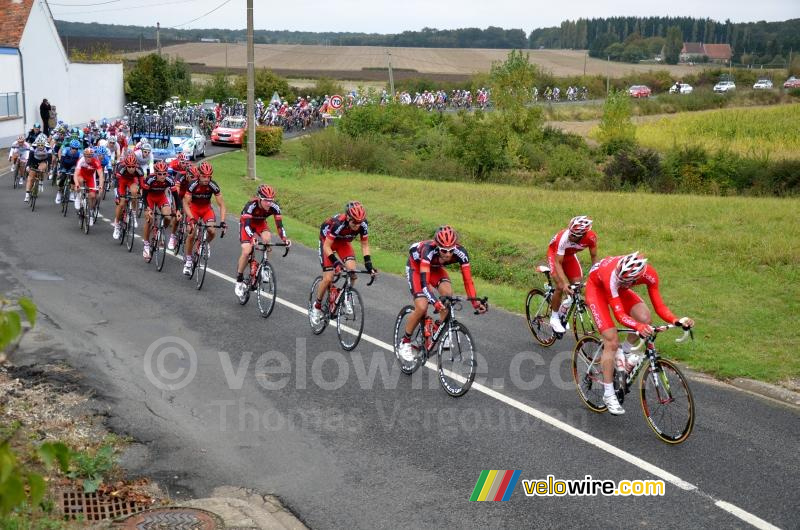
pixel 630 38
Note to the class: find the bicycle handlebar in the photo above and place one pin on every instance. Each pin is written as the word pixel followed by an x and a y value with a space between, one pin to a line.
pixel 339 271
pixel 687 334
pixel 264 246
pixel 450 300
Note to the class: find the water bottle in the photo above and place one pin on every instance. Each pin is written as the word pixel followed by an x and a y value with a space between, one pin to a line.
pixel 253 269
pixel 565 305
pixel 428 328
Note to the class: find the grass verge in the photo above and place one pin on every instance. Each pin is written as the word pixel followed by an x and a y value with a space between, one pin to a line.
pixel 721 259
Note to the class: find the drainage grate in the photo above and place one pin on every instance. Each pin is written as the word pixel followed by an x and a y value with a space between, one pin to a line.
pixel 96 506
pixel 174 519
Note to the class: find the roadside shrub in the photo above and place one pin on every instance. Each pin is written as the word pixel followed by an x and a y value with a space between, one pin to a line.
pixel 331 149
pixel 784 177
pixel 268 140
pixel 569 170
pixel 628 169
pixel 794 92
pixel 616 129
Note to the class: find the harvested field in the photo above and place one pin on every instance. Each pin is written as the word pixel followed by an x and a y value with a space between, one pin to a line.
pixel 453 61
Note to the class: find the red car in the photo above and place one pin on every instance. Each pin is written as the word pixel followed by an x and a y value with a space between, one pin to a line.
pixel 639 91
pixel 230 131
pixel 792 82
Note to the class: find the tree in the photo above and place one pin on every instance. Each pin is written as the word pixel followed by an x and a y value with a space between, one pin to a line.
pixel 673 45
pixel 149 81
pixel 617 131
pixel 512 79
pixel 219 89
pixel 267 83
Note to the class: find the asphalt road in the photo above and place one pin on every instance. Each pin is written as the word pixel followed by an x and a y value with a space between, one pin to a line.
pixel 344 438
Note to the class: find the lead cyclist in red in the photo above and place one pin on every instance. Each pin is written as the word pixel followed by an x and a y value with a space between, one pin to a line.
pixel 610 283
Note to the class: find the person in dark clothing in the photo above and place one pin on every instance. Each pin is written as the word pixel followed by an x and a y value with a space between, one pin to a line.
pixel 33 133
pixel 44 110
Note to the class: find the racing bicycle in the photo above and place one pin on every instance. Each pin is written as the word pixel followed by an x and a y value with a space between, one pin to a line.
pixel 200 252
pixel 538 311
pixel 667 402
pixel 260 277
pixel 451 340
pixel 343 303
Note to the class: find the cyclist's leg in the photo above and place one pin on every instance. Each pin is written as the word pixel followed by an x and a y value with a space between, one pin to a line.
pixel 596 300
pixel 245 239
pixel 345 252
pixel 635 307
pixel 442 282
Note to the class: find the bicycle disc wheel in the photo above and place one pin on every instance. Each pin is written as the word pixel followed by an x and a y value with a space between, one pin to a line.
pixel 312 298
pixel 457 360
pixel 588 375
pixel 202 264
pixel 537 313
pixel 667 402
pixel 266 289
pixel 407 367
pixel 582 324
pixel 160 250
pixel 350 319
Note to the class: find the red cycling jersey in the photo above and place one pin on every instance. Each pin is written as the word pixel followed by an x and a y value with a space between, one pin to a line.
pixel 426 267
pixel 604 290
pixel 253 220
pixel 87 169
pixel 561 245
pixel 337 228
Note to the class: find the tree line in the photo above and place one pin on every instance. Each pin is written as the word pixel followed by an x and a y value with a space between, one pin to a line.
pixel 751 42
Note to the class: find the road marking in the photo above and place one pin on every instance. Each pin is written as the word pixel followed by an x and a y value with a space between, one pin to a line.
pixel 550 420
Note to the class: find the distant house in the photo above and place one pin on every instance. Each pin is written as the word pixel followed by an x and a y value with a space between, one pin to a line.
pixel 207 39
pixel 697 52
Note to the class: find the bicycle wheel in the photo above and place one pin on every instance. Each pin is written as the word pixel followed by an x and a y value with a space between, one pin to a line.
pixel 582 324
pixel 15 175
pixel 202 264
pixel 350 319
pixel 407 367
pixel 537 313
pixel 266 289
pixel 667 402
pixel 130 229
pixel 588 375
pixel 457 360
pixel 312 298
pixel 180 236
pixel 34 194
pixel 160 249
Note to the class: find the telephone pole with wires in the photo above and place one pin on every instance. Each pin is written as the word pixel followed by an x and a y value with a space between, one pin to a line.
pixel 391 76
pixel 251 96
pixel 158 37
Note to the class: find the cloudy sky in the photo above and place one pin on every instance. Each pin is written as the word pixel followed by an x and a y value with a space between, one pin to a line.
pixel 393 16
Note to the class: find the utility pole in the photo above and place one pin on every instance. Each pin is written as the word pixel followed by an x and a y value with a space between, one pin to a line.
pixel 608 68
pixel 585 54
pixel 391 76
pixel 251 96
pixel 158 37
pixel 226 59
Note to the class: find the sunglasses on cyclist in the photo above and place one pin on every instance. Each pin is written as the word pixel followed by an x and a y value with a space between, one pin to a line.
pixel 446 250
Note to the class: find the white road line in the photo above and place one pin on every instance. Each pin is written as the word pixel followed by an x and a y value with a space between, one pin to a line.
pixel 644 465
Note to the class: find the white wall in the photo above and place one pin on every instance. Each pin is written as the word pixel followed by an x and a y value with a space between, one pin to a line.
pixel 79 91
pixel 10 81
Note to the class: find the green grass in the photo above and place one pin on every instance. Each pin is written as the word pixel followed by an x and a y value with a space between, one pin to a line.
pixel 772 132
pixel 726 261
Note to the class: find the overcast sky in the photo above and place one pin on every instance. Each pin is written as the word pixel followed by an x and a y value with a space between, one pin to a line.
pixel 395 16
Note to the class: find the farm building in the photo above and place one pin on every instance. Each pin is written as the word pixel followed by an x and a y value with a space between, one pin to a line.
pixel 696 52
pixel 35 66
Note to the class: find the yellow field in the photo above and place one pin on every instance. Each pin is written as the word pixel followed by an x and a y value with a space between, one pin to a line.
pixel 464 61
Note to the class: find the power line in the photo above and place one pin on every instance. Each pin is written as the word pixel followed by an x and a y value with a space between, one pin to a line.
pixel 126 8
pixel 86 5
pixel 201 16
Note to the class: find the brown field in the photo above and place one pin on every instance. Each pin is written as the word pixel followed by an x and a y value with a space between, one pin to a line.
pixel 453 61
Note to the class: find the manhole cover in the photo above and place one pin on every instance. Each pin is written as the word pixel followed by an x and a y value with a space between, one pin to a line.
pixel 173 519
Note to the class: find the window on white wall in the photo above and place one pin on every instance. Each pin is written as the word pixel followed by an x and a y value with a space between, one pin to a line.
pixel 9 105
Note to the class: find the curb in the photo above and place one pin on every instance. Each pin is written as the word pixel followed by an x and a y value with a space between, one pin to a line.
pixel 245 508
pixel 782 395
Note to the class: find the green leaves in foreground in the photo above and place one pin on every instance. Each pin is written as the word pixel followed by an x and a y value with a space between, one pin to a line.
pixel 11 320
pixel 19 485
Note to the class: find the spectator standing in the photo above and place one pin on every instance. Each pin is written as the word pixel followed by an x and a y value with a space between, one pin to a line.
pixel 44 111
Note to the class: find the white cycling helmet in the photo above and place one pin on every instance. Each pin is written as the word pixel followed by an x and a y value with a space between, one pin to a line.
pixel 580 225
pixel 147 147
pixel 630 267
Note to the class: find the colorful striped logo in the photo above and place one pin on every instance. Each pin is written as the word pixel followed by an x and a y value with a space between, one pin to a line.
pixel 495 485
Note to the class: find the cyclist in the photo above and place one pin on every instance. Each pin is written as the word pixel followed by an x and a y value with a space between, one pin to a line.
pixel 129 175
pixel 610 283
pixel 87 168
pixel 335 236
pixel 157 187
pixel 34 133
pixel 197 205
pixel 425 271
pixel 19 151
pixel 564 265
pixel 38 160
pixel 67 161
pixel 144 155
pixel 113 150
pixel 253 225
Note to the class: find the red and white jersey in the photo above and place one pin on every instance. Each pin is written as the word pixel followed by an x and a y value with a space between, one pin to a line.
pixel 603 276
pixel 562 246
pixel 87 167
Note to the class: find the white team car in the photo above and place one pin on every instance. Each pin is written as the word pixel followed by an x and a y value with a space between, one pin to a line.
pixel 191 141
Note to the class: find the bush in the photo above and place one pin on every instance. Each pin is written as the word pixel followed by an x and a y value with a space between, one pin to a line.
pixel 268 140
pixel 334 150
pixel 631 168
pixel 616 128
pixel 570 169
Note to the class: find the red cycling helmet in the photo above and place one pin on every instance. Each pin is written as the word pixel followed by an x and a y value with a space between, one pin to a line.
pixel 631 267
pixel 446 237
pixel 355 211
pixel 205 169
pixel 160 168
pixel 580 225
pixel 130 161
pixel 181 156
pixel 266 192
pixel 192 172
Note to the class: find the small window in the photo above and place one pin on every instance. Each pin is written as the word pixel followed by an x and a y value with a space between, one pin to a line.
pixel 9 106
